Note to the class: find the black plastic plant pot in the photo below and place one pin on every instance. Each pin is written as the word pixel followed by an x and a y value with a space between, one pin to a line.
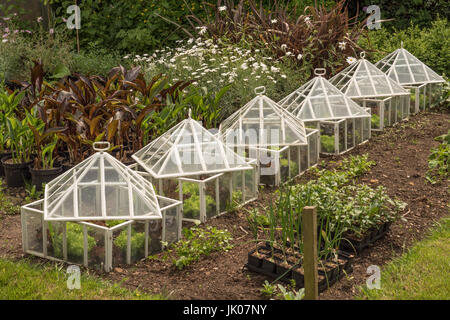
pixel 38 177
pixel 298 277
pixel 254 260
pixel 284 272
pixel 268 266
pixel 3 155
pixel 16 173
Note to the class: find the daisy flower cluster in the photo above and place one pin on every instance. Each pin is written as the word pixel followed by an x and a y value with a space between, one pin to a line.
pixel 215 65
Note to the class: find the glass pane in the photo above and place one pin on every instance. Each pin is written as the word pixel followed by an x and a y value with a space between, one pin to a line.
pixel 269 167
pixel 75 242
pixel 120 240
pixel 96 255
pixel 414 100
pixel 171 224
pixel 295 161
pixel 304 150
pixel 137 241
pixel 210 198
pixel 375 107
pixel 191 200
pixel 350 133
pixel 313 145
pixel 395 109
pixel 422 98
pixel 387 112
pixel 238 192
pixel 55 236
pixel 155 233
pixel 89 201
pixel 358 130
pixel 224 192
pixel 250 186
pixel 341 138
pixel 284 165
pixel 33 224
pixel 327 139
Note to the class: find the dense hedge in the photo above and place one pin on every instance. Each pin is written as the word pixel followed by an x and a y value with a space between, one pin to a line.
pixel 136 25
pixel 405 12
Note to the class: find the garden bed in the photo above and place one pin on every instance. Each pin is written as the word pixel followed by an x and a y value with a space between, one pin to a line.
pixel 401 154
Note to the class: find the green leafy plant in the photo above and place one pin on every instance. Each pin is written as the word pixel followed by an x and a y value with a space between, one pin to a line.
pixel 375 121
pixel 327 143
pixel 191 205
pixel 21 138
pixel 9 103
pixel 75 241
pixel 283 293
pixel 200 242
pixel 32 192
pixel 439 160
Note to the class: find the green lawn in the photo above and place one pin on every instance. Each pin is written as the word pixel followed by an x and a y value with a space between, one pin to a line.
pixel 24 281
pixel 423 273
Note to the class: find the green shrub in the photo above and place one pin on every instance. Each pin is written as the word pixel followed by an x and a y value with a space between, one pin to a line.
pixel 128 25
pixel 420 12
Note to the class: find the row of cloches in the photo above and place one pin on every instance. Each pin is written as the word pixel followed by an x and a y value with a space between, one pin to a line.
pixel 102 213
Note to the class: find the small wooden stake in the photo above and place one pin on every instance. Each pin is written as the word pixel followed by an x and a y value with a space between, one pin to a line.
pixel 309 228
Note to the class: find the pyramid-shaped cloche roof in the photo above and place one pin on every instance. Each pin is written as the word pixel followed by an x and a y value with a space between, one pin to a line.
pixel 318 99
pixel 363 80
pixel 406 69
pixel 188 149
pixel 262 123
pixel 100 188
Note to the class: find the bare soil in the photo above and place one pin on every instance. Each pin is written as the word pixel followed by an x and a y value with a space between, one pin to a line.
pixel 401 156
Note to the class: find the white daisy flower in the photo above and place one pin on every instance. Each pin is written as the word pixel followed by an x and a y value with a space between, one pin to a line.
pixel 342 45
pixel 351 60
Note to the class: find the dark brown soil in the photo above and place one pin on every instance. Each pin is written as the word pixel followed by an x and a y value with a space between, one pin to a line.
pixel 401 155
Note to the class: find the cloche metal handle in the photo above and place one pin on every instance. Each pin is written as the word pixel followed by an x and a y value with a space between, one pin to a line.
pixel 97 145
pixel 320 71
pixel 260 90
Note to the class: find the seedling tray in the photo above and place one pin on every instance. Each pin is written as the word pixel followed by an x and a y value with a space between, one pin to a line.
pixel 274 269
pixel 358 245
